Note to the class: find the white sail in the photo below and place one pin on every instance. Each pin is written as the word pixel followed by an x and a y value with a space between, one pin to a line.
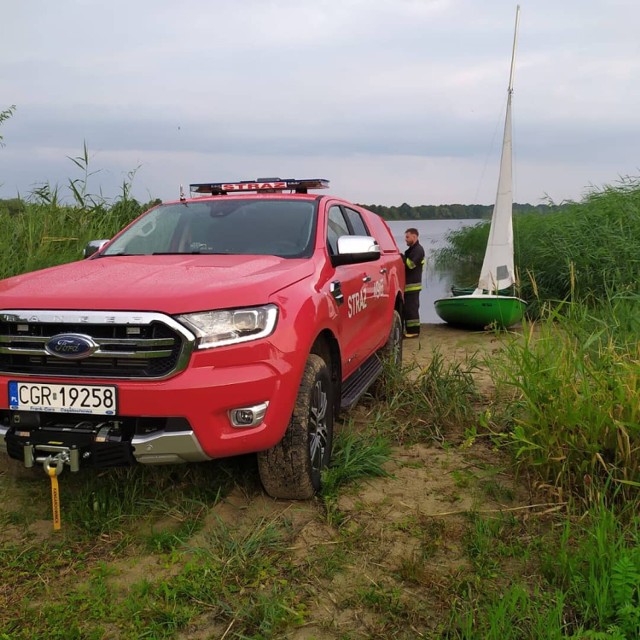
pixel 497 268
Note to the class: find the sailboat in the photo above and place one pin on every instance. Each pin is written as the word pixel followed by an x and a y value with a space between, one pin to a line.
pixel 489 304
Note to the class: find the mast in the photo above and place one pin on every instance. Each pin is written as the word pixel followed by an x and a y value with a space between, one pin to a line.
pixel 513 50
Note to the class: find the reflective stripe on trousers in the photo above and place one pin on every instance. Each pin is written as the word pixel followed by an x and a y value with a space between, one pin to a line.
pixel 411 314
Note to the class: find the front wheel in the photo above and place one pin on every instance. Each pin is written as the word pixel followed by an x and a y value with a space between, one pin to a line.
pixel 292 469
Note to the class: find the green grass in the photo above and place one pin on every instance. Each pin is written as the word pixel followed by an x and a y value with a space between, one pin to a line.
pixel 588 585
pixel 497 491
pixel 521 580
pixel 115 499
pixel 355 456
pixel 569 413
pixel 239 575
pixel 424 403
pixel 515 615
pixel 573 416
pixel 598 566
pixel 75 585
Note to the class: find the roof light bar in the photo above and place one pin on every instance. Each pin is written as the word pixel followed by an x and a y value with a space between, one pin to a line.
pixel 265 185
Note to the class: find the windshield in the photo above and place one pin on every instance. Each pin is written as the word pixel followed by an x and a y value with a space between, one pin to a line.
pixel 228 225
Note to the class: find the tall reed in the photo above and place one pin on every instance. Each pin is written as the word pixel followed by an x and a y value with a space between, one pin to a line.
pixel 47 230
pixel 575 415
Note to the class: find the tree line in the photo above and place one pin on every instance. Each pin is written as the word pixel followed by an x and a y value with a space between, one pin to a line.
pixel 453 211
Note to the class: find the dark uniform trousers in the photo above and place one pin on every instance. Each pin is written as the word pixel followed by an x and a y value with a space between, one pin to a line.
pixel 413 264
pixel 412 312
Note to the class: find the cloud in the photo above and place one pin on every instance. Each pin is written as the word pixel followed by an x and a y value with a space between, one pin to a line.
pixel 333 85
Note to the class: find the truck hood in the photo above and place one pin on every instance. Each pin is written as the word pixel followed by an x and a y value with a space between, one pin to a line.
pixel 170 284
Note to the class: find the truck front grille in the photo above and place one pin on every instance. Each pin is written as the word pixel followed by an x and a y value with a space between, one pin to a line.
pixel 129 345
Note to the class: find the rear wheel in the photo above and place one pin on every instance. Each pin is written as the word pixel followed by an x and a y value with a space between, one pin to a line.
pixel 292 469
pixel 391 357
pixel 391 352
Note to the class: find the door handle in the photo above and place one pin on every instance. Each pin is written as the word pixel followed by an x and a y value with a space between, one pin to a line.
pixel 336 291
pixel 383 270
pixel 366 279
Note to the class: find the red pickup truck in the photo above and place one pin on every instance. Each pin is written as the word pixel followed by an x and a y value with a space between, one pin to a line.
pixel 239 320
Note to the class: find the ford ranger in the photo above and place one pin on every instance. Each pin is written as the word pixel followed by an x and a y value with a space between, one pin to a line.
pixel 239 320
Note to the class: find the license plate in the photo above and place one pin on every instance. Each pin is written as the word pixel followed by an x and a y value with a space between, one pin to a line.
pixel 63 398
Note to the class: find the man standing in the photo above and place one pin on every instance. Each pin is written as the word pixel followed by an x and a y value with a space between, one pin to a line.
pixel 413 264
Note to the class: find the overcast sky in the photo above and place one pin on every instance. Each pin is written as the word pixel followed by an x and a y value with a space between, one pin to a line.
pixel 392 100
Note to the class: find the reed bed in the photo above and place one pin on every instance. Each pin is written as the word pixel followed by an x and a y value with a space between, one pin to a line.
pixel 53 224
pixel 587 252
pixel 575 416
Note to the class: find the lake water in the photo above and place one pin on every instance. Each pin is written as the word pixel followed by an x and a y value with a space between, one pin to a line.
pixel 432 236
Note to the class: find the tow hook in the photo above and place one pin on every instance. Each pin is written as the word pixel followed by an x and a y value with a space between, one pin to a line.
pixel 53 466
pixel 57 454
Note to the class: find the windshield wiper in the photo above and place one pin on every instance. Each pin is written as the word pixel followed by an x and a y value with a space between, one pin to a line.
pixel 118 254
pixel 189 253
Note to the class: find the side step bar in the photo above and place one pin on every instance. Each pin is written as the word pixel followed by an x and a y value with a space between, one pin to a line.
pixel 359 381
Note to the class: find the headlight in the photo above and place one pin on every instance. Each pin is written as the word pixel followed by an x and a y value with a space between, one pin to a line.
pixel 219 328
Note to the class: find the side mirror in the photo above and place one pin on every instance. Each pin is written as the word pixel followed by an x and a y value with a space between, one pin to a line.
pixel 93 246
pixel 354 249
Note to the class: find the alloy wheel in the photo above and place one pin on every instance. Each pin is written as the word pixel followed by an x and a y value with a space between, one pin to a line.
pixel 318 428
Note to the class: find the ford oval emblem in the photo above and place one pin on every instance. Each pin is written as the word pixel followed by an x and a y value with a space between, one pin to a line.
pixel 71 346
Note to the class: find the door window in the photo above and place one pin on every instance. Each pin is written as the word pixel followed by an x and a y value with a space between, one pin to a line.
pixel 336 227
pixel 357 224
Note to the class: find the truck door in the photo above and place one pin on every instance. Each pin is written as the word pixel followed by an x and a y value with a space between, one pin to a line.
pixel 363 315
pixel 348 284
pixel 376 281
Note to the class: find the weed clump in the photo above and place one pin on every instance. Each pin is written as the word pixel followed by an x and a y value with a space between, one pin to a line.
pixel 574 417
pixel 424 403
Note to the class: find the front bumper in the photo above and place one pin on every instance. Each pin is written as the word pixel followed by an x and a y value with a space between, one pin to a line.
pixel 161 447
pixel 168 448
pixel 181 419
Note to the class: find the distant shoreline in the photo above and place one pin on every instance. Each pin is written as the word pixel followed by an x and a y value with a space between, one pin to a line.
pixel 454 211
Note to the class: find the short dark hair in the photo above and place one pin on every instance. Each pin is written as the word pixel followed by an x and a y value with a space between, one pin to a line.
pixel 412 230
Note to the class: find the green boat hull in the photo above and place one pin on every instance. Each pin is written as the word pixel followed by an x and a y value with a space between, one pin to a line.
pixel 481 311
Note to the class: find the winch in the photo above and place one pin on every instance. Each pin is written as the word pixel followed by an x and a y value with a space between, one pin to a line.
pixel 35 440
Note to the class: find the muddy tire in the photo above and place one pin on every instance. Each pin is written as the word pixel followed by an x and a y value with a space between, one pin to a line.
pixel 391 357
pixel 391 352
pixel 292 468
